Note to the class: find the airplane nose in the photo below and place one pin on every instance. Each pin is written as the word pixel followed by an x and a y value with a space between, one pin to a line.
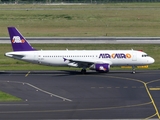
pixel 151 60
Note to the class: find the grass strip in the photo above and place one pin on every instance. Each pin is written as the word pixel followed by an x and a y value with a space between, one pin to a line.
pixel 123 19
pixel 7 97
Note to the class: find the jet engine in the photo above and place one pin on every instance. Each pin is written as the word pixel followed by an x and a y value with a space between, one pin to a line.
pixel 100 67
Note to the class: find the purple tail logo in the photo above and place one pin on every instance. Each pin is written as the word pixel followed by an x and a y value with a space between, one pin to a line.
pixel 19 43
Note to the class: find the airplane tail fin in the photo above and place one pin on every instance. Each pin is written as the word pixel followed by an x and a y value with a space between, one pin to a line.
pixel 19 43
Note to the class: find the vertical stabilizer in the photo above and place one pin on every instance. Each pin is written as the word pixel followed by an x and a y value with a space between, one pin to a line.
pixel 19 43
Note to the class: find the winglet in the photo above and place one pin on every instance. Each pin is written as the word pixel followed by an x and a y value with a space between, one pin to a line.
pixel 19 43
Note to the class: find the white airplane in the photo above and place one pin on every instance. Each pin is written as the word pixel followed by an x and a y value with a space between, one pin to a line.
pixel 99 60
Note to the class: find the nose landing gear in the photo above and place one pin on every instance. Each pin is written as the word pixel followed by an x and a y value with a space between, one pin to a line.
pixel 133 70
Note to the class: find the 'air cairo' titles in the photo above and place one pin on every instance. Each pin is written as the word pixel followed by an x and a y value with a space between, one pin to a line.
pixel 115 55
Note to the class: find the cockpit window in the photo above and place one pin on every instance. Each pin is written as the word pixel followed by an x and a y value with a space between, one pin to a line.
pixel 145 55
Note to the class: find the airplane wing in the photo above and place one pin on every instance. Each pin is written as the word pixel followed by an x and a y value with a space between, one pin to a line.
pixel 84 63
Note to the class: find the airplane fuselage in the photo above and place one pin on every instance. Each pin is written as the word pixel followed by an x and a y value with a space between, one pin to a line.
pixel 62 57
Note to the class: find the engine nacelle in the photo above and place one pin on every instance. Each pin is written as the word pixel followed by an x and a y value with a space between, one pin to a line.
pixel 101 67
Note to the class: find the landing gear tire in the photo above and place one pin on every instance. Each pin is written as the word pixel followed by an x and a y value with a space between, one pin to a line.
pixel 133 72
pixel 83 71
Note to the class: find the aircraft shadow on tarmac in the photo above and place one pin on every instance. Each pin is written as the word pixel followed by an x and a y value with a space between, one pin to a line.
pixel 69 72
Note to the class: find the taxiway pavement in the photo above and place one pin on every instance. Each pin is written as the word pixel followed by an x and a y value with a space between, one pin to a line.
pixel 70 95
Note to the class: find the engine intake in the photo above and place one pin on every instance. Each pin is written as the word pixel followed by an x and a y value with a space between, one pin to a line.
pixel 101 67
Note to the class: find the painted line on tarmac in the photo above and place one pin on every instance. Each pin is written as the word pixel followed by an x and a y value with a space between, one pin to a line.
pixel 27 73
pixel 146 87
pixel 13 104
pixel 156 109
pixel 154 88
pixel 83 109
pixel 63 98
pixel 51 94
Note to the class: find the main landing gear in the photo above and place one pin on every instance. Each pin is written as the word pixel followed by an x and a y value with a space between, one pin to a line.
pixel 83 71
pixel 133 69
